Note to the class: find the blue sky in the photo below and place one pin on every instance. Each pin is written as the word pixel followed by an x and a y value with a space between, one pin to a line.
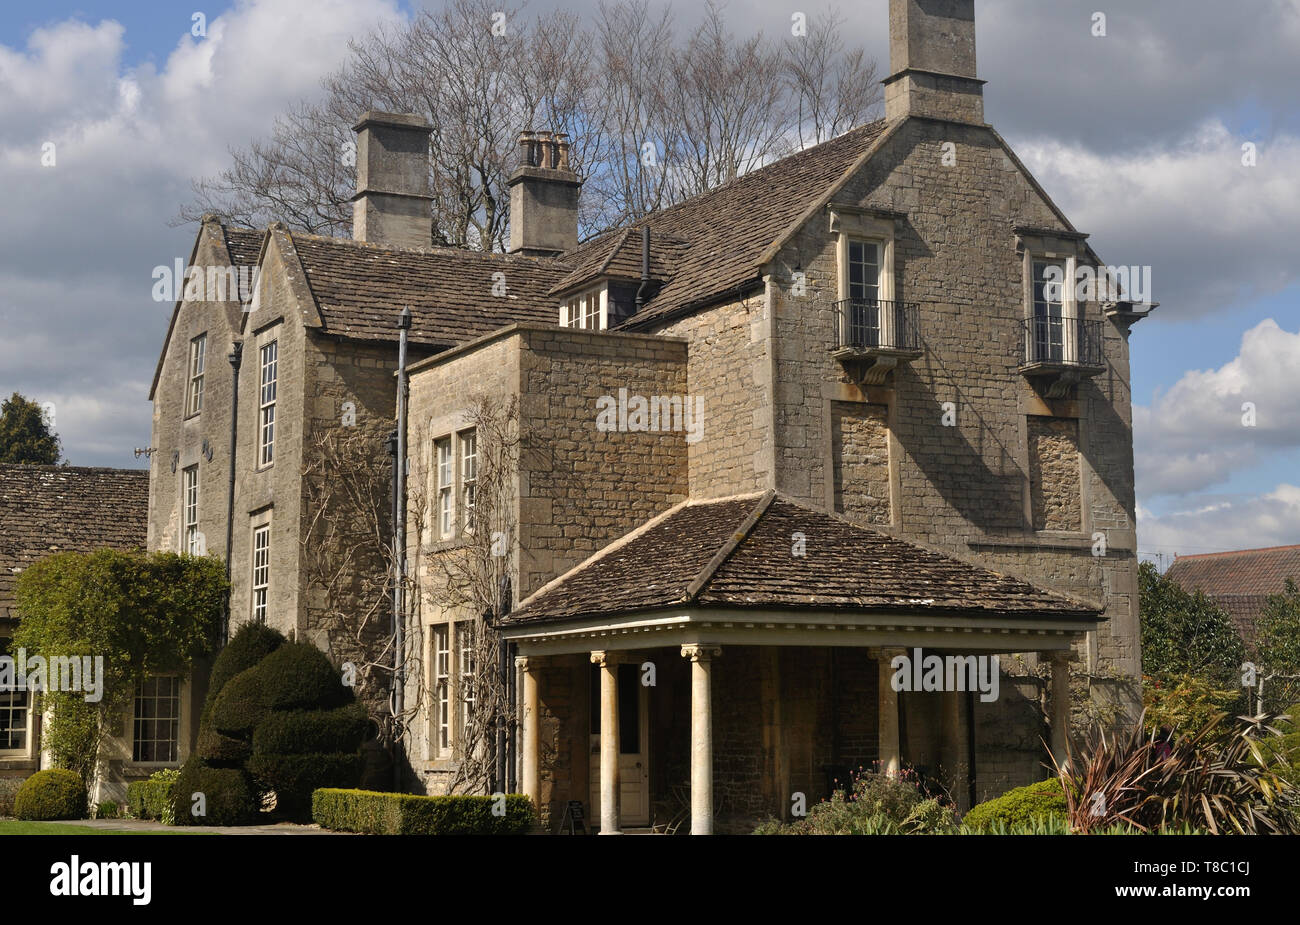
pixel 1136 134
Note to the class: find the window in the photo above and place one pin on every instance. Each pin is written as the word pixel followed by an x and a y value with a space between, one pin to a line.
pixel 863 317
pixel 442 448
pixel 468 475
pixel 1048 323
pixel 465 641
pixel 157 720
pixel 198 351
pixel 266 399
pixel 261 570
pixel 14 713
pixel 583 311
pixel 191 502
pixel 441 689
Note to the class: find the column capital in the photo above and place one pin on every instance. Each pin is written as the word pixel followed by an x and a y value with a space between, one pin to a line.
pixel 605 657
pixel 701 651
pixel 526 663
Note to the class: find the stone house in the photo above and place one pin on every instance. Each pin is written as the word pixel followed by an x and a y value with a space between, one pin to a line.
pixel 771 439
pixel 46 510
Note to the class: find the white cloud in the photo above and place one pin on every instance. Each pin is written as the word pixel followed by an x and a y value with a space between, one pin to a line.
pixel 80 238
pixel 1219 524
pixel 1215 232
pixel 1193 436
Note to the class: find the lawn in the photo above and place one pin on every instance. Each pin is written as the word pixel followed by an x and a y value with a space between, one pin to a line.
pixel 15 827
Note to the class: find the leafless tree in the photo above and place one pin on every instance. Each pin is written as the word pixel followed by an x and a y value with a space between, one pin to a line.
pixel 653 119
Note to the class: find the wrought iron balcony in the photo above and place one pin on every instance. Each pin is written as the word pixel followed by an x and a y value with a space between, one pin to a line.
pixel 1062 351
pixel 873 335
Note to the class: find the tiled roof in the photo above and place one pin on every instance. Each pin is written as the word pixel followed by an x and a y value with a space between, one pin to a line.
pixel 737 553
pixel 244 245
pixel 360 287
pixel 1241 581
pixel 48 509
pixel 618 254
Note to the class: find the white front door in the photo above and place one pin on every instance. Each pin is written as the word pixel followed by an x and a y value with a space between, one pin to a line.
pixel 634 746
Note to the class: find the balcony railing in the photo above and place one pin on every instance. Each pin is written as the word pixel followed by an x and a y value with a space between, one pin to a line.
pixel 870 325
pixel 1062 342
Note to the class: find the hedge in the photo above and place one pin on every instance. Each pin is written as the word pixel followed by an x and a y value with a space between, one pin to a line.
pixel 240 706
pixel 294 778
pixel 53 794
pixel 228 793
pixel 298 676
pixel 1044 800
pixel 373 813
pixel 146 799
pixel 300 732
pixel 251 643
pixel 9 787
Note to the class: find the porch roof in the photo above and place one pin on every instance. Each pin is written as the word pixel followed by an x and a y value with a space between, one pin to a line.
pixel 744 554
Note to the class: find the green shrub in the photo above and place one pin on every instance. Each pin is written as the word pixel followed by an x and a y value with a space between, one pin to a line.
pixel 297 732
pixel 929 817
pixel 1022 806
pixel 251 643
pixel 240 706
pixel 108 809
pixel 52 794
pixel 9 787
pixel 295 777
pixel 229 795
pixel 407 814
pixel 221 751
pixel 149 799
pixel 298 676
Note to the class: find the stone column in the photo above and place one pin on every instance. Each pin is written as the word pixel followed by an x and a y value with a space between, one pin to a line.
pixel 891 756
pixel 701 657
pixel 608 663
pixel 530 777
pixel 1061 705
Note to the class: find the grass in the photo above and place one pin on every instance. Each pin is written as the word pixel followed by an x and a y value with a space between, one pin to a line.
pixel 15 827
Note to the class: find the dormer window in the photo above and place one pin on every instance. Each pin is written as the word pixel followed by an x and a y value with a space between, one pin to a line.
pixel 588 310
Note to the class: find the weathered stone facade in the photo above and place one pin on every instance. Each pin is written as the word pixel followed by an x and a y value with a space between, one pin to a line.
pixel 860 461
pixel 1054 491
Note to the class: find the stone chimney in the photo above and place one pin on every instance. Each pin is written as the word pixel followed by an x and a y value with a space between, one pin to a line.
pixel 391 205
pixel 543 197
pixel 932 61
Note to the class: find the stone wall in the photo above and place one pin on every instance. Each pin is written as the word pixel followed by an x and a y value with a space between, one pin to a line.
pixel 860 461
pixel 1054 492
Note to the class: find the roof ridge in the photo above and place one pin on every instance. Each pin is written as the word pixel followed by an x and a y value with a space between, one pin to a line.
pixel 1233 552
pixel 724 552
pixel 433 249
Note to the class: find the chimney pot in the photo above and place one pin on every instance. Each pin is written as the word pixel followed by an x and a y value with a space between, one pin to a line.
pixel 544 196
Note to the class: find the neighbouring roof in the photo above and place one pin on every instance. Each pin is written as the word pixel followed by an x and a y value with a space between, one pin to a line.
pixel 244 245
pixel 738 553
pixel 1240 581
pixel 359 288
pixel 48 509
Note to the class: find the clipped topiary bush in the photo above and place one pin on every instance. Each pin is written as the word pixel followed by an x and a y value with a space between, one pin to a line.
pixel 221 751
pixel 9 787
pixel 408 814
pixel 251 643
pixel 298 732
pixel 240 706
pixel 229 797
pixel 1022 806
pixel 52 794
pixel 294 778
pixel 298 676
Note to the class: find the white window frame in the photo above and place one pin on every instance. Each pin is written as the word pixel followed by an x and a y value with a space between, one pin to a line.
pixel 174 696
pixel 17 704
pixel 260 583
pixel 441 665
pixel 1069 300
pixel 445 488
pixel 269 375
pixel 468 445
pixel 466 671
pixel 190 508
pixel 587 311
pixel 852 226
pixel 198 361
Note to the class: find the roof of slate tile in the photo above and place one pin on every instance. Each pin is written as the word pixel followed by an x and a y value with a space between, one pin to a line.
pixel 736 553
pixel 244 245
pixel 359 287
pixel 1240 581
pixel 48 509
pixel 618 253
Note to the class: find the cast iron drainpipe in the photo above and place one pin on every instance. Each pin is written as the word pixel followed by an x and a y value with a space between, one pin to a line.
pixel 399 536
pixel 235 357
pixel 645 267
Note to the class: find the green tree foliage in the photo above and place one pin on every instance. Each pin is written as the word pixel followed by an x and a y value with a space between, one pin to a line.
pixel 144 614
pixel 1185 633
pixel 1277 642
pixel 25 436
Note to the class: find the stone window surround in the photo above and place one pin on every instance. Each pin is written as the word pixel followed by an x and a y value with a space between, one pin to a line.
pixel 1033 406
pixel 1068 248
pixel 870 395
pixel 256 521
pixel 194 381
pixel 452 428
pixel 854 223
